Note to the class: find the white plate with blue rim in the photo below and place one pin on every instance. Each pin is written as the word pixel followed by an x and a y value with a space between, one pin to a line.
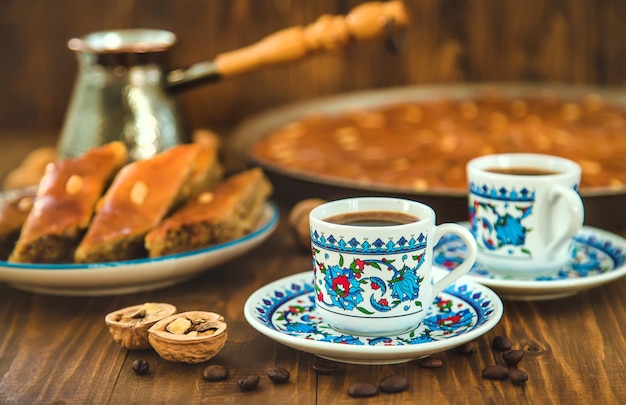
pixel 598 257
pixel 131 276
pixel 284 311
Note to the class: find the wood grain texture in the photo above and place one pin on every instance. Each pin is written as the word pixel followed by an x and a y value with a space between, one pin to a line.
pixel 578 42
pixel 58 349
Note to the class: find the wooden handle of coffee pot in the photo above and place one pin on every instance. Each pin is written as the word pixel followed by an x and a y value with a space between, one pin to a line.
pixel 327 33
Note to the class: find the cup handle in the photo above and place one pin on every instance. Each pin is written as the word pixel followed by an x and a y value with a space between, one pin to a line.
pixel 467 237
pixel 575 223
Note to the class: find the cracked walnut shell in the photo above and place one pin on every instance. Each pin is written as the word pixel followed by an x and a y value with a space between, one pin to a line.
pixel 189 337
pixel 129 326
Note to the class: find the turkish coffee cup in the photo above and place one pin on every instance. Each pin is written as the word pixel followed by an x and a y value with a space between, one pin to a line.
pixel 373 260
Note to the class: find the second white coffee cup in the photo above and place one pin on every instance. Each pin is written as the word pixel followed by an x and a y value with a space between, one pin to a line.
pixel 524 211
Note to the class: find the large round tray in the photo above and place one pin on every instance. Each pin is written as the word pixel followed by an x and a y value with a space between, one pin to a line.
pixel 602 204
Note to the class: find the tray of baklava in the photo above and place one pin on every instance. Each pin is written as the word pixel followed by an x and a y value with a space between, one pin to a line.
pixel 97 224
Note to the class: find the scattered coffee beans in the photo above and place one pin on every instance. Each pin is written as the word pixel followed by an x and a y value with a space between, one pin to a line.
pixel 431 362
pixel 495 372
pixel 323 366
pixel 215 372
pixel 393 383
pixel 362 390
pixel 141 367
pixel 513 357
pixel 279 375
pixel 501 343
pixel 518 376
pixel 467 348
pixel 249 383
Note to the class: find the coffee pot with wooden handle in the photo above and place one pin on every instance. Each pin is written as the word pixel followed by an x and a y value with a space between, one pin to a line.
pixel 122 91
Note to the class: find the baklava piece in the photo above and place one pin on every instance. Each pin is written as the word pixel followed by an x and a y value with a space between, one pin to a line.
pixel 140 196
pixel 64 205
pixel 226 213
pixel 13 214
pixel 207 170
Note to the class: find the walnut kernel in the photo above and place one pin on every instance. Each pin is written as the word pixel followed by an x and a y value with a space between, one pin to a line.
pixel 201 341
pixel 129 326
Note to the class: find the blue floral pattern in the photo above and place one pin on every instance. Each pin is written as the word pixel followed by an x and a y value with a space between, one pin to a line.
pixel 591 255
pixel 495 230
pixel 394 285
pixel 291 310
pixel 497 217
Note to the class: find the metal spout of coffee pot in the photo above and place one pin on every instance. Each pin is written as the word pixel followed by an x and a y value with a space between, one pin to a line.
pixel 123 93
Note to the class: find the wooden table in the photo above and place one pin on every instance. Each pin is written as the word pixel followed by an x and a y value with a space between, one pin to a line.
pixel 56 349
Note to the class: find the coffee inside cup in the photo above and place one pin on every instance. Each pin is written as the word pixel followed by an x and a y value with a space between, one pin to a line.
pixel 372 218
pixel 522 171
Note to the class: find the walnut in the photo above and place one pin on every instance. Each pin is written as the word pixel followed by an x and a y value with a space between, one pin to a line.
pixel 189 337
pixel 129 326
pixel 299 220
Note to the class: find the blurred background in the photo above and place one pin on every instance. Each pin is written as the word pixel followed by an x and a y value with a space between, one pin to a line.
pixel 580 42
pixel 566 41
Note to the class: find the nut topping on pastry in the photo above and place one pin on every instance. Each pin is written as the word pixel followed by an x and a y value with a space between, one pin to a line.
pixel 74 184
pixel 139 192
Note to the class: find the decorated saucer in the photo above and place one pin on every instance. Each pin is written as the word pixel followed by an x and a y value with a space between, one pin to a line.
pixel 284 311
pixel 598 257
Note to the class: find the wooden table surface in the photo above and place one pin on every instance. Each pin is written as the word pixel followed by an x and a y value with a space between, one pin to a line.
pixel 57 350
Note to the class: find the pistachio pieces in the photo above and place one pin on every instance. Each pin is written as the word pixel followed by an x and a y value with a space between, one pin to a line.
pixel 129 326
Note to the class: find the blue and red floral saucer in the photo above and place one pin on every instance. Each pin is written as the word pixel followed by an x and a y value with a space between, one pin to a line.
pixel 284 311
pixel 598 257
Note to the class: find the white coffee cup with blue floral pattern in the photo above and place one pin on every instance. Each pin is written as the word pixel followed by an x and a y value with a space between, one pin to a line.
pixel 524 210
pixel 372 263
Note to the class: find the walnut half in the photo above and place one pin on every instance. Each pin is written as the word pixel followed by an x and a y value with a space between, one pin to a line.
pixel 129 326
pixel 299 221
pixel 189 337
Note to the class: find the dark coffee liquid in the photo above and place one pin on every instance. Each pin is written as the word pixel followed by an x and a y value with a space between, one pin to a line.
pixel 372 218
pixel 521 171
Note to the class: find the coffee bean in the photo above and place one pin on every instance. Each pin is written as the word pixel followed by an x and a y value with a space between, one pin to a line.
pixel 279 375
pixel 362 390
pixel 324 366
pixel 501 343
pixel 249 383
pixel 393 383
pixel 495 372
pixel 518 376
pixel 215 372
pixel 467 348
pixel 513 357
pixel 141 367
pixel 431 362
